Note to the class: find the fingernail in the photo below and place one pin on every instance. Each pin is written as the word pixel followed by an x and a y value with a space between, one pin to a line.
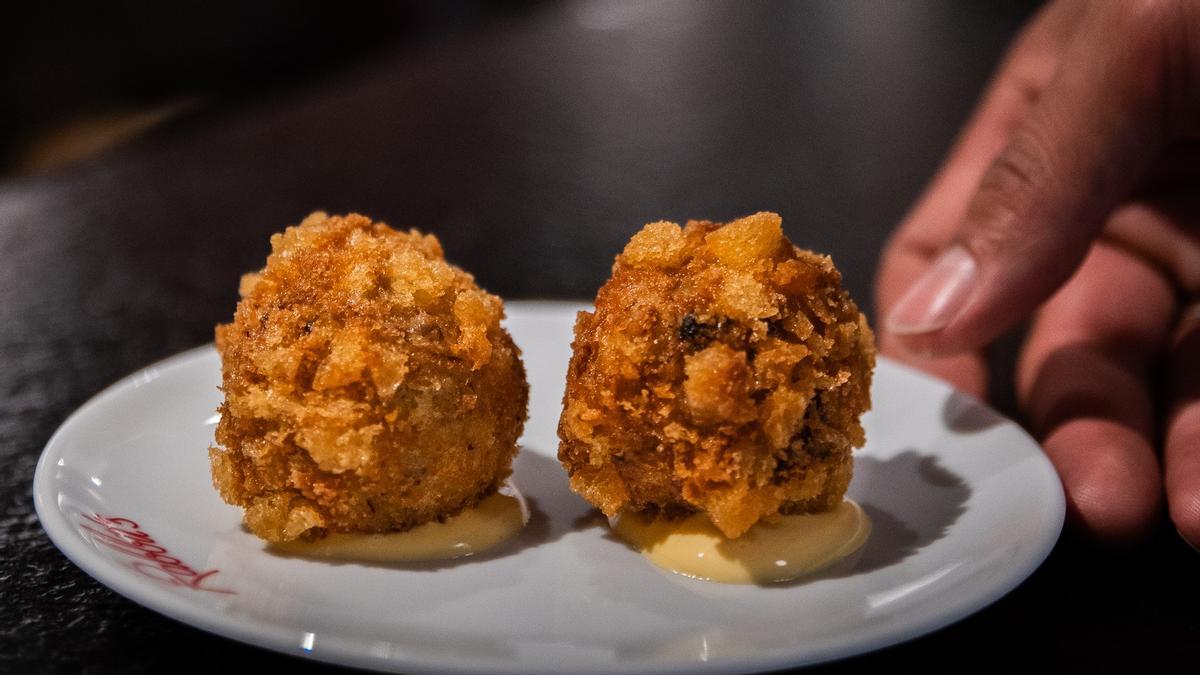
pixel 936 298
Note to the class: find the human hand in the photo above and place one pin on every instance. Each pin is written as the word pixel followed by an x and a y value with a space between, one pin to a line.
pixel 1073 196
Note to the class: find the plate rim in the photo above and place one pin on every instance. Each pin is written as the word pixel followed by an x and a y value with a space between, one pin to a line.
pixel 56 524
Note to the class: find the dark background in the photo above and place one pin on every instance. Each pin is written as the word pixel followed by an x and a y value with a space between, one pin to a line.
pixel 148 151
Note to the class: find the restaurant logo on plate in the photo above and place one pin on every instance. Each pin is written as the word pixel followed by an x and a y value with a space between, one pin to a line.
pixel 143 554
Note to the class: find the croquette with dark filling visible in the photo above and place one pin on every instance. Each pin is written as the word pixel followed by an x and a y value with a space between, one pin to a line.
pixel 723 370
pixel 369 386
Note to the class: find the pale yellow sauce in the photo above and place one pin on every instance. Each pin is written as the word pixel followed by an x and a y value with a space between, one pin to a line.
pixel 769 552
pixel 491 522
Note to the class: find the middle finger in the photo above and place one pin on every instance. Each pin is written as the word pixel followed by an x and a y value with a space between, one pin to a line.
pixel 1082 380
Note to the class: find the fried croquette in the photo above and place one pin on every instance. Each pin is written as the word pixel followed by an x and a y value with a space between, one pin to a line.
pixel 723 370
pixel 369 386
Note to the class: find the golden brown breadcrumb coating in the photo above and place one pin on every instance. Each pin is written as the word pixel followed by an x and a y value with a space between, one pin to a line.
pixel 724 370
pixel 368 385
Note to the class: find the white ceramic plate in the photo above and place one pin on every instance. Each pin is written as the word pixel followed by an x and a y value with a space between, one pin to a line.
pixel 964 506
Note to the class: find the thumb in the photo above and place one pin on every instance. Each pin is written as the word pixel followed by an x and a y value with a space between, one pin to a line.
pixel 1081 150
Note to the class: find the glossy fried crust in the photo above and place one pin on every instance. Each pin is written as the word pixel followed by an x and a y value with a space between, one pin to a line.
pixel 724 370
pixel 368 385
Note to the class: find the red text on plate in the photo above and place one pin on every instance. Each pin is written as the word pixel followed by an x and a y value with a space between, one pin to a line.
pixel 146 556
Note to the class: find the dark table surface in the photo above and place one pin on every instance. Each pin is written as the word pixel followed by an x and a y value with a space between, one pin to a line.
pixel 533 145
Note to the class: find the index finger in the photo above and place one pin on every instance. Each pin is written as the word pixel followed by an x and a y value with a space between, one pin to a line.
pixel 933 221
pixel 1018 84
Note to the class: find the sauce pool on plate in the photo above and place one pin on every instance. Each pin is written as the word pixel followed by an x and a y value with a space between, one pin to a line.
pixel 493 521
pixel 787 549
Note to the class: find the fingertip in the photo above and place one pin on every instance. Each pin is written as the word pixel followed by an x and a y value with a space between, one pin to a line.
pixel 1182 452
pixel 1185 513
pixel 1183 495
pixel 1110 479
pixel 1183 475
pixel 908 348
pixel 1110 515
